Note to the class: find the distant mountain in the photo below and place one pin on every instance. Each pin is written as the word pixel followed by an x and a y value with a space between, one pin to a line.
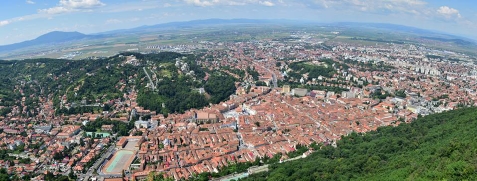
pixel 425 34
pixel 203 22
pixel 63 37
pixel 49 38
pixel 393 27
pixel 210 22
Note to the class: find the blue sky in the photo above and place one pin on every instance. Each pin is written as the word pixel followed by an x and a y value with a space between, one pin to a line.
pixel 22 20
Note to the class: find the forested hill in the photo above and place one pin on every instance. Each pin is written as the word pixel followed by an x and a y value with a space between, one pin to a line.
pixel 91 85
pixel 436 147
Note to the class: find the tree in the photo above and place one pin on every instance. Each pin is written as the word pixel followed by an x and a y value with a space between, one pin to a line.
pixel 3 174
pixel 220 87
pixel 260 83
pixel 82 142
pixel 400 93
pixel 138 133
pixel 72 175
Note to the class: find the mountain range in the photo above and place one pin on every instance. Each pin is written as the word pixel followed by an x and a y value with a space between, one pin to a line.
pixel 57 37
pixel 49 38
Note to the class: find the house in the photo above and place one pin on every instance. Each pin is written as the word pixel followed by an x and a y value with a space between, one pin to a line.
pixel 348 94
pixel 43 129
pixel 204 117
pixel 286 89
pixel 12 146
pixel 68 131
pixel 107 127
pixel 299 92
pixel 142 124
pixel 11 131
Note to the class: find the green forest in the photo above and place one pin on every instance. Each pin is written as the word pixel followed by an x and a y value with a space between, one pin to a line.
pixel 300 68
pixel 118 127
pixel 177 92
pixel 86 82
pixel 436 147
pixel 220 87
pixel 326 69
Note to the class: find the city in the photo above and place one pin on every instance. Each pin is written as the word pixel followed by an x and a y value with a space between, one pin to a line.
pixel 367 87
pixel 238 90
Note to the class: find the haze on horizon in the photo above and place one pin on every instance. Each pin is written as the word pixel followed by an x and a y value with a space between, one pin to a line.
pixel 22 20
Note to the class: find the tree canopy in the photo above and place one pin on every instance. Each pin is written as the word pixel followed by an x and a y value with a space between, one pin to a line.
pixel 220 87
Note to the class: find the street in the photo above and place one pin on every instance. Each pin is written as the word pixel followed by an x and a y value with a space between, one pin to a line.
pixel 96 164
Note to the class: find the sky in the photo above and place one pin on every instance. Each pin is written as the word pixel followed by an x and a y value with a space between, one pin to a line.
pixel 22 20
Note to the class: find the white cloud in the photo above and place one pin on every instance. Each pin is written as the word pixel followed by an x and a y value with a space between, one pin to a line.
pixel 167 5
pixel 414 8
pixel 113 21
pixel 55 10
pixel 448 12
pixel 134 19
pixel 380 6
pixel 81 4
pixel 65 6
pixel 145 5
pixel 30 2
pixel 5 22
pixel 205 3
pixel 117 21
pixel 266 3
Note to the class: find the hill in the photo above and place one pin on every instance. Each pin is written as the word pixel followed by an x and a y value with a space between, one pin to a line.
pixel 52 37
pixel 177 90
pixel 436 147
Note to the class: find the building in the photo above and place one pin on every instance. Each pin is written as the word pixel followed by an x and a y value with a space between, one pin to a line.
pixel 348 94
pixel 319 94
pixel 204 117
pixel 43 129
pixel 12 146
pixel 107 127
pixel 122 142
pixel 113 179
pixel 299 92
pixel 68 131
pixel 286 89
pixel 142 124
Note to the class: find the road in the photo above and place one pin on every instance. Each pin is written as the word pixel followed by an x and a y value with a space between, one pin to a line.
pixel 274 80
pixel 258 169
pixel 274 76
pixel 96 164
pixel 150 80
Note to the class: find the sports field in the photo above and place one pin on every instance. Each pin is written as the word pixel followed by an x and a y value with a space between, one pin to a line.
pixel 120 161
